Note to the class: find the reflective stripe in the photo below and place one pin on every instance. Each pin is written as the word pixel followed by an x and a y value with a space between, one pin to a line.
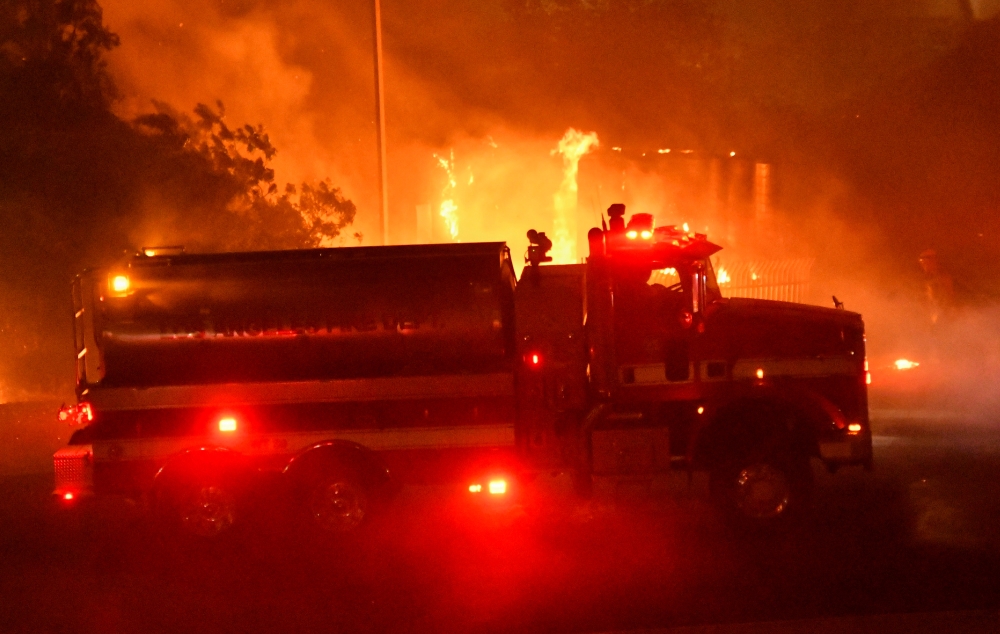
pixel 806 366
pixel 401 438
pixel 378 389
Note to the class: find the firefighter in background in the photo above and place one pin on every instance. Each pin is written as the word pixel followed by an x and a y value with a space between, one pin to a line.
pixel 939 286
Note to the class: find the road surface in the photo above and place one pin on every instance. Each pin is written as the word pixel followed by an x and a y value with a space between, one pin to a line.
pixel 920 534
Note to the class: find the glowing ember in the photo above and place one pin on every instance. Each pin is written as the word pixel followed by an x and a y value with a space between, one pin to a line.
pixel 905 364
pixel 572 147
pixel 723 276
pixel 448 209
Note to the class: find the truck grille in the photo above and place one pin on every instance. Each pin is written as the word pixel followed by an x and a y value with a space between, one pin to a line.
pixel 74 468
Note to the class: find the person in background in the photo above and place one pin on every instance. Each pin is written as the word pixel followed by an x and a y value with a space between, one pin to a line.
pixel 939 286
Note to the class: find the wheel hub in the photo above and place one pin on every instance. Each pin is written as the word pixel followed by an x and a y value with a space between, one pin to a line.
pixel 338 507
pixel 209 511
pixel 762 491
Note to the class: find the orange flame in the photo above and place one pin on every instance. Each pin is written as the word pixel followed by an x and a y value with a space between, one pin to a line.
pixel 572 147
pixel 448 209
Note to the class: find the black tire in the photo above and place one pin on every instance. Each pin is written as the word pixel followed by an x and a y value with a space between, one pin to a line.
pixel 762 489
pixel 206 509
pixel 337 502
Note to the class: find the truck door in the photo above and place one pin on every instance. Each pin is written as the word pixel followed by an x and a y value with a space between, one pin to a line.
pixel 653 329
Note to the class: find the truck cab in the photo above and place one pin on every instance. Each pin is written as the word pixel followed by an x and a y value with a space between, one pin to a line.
pixel 677 376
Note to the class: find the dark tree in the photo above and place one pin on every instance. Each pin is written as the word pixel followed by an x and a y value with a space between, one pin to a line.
pixel 80 187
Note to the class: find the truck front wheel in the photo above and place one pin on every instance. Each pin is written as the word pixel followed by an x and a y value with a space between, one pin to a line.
pixel 762 489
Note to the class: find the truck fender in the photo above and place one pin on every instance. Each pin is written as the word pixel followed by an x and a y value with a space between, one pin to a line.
pixel 192 469
pixel 805 412
pixel 200 461
pixel 361 461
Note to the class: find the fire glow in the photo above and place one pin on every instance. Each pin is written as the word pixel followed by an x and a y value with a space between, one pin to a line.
pixel 905 364
pixel 572 147
pixel 449 209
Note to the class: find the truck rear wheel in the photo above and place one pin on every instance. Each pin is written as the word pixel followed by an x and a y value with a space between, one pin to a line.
pixel 207 511
pixel 337 503
pixel 204 509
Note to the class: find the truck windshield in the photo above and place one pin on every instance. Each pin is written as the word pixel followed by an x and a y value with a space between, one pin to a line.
pixel 671 279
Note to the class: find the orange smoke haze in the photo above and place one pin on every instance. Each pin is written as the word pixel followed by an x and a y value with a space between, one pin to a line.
pixel 300 71
pixel 479 95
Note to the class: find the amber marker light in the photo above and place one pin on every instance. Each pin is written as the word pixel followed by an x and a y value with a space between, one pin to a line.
pixel 760 373
pixel 854 428
pixel 120 284
pixel 227 424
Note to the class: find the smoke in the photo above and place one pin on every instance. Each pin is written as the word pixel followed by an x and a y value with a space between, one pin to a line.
pixel 660 75
pixel 829 97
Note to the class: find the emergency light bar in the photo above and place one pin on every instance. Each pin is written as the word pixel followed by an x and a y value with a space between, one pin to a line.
pixel 659 247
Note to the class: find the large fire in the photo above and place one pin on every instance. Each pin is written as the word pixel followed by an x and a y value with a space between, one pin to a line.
pixel 449 209
pixel 572 147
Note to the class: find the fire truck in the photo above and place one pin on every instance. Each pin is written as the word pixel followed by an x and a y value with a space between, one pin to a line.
pixel 342 374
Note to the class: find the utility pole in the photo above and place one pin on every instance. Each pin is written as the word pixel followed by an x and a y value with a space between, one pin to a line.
pixel 383 187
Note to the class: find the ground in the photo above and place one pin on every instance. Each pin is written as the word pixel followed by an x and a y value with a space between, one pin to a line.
pixel 917 535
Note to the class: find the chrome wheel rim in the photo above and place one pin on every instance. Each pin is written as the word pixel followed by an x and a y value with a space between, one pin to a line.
pixel 338 507
pixel 762 491
pixel 209 511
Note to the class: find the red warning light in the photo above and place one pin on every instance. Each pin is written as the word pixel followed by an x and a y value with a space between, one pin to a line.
pixel 533 359
pixel 227 424
pixel 68 496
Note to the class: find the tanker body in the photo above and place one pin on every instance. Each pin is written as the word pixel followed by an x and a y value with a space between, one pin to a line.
pixel 308 315
pixel 343 368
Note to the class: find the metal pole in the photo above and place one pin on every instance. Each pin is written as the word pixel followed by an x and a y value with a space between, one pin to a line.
pixel 383 189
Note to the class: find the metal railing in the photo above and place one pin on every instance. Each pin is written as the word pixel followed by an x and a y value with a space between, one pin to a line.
pixel 780 280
